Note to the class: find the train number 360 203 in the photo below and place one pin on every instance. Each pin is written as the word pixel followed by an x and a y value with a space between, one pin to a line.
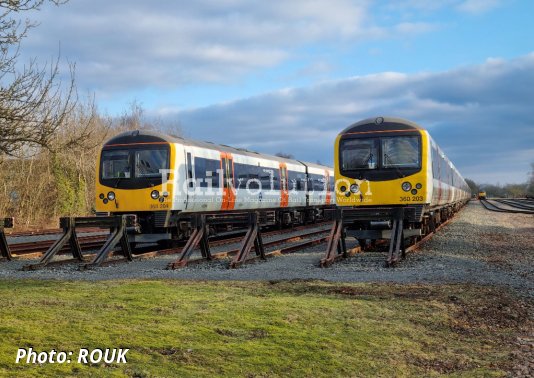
pixel 411 199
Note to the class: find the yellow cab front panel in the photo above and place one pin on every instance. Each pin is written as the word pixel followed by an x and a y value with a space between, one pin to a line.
pixel 380 183
pixel 129 178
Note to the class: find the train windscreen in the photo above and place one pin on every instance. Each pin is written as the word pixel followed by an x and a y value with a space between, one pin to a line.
pixel 402 151
pixel 127 164
pixel 359 154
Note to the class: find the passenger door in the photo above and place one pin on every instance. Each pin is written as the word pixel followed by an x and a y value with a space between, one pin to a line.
pixel 328 198
pixel 284 192
pixel 228 200
pixel 190 177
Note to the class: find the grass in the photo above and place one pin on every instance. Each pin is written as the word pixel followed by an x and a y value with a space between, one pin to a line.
pixel 256 329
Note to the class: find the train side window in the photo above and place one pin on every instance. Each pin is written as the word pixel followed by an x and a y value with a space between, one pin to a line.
pixel 317 183
pixel 241 175
pixel 296 180
pixel 254 176
pixel 276 180
pixel 214 167
pixel 202 166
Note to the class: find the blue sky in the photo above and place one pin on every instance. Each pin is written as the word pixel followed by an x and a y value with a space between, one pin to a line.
pixel 288 75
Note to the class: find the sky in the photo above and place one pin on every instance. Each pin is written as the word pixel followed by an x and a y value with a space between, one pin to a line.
pixel 288 76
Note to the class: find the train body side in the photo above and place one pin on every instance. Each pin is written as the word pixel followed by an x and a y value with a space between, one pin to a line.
pixel 201 177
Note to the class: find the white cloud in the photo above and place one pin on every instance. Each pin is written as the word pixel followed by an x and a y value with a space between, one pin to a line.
pixel 478 6
pixel 127 44
pixel 131 45
pixel 481 115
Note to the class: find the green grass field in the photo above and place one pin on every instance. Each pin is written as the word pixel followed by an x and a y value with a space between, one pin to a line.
pixel 255 329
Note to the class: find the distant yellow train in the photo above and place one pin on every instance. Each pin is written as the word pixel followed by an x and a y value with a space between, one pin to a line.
pixel 481 195
pixel 389 166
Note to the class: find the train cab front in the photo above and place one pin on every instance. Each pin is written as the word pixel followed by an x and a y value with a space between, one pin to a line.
pixel 134 177
pixel 380 166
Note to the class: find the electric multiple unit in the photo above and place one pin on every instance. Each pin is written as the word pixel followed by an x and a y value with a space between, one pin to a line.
pixel 386 166
pixel 164 179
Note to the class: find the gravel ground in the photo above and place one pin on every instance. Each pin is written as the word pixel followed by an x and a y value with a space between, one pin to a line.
pixel 477 246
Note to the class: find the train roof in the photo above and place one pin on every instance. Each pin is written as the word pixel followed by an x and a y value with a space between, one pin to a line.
pixel 153 137
pixel 381 124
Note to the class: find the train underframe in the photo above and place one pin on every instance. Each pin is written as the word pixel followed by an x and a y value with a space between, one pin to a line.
pixel 401 225
pixel 165 227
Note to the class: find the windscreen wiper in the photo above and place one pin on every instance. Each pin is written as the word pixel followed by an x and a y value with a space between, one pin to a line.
pixel 389 161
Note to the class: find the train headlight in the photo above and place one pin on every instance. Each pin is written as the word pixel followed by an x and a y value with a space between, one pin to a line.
pixel 343 188
pixel 354 188
pixel 165 194
pixel 406 186
pixel 154 194
pixel 418 186
pixel 101 196
pixel 111 196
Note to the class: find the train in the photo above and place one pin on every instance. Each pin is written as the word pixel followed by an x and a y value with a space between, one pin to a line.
pixel 163 180
pixel 481 195
pixel 390 168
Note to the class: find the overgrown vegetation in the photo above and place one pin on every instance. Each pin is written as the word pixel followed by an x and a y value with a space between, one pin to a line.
pixel 287 328
pixel 506 190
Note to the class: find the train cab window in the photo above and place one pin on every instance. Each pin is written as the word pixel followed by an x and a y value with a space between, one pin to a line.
pixel 401 151
pixel 149 162
pixel 115 164
pixel 359 154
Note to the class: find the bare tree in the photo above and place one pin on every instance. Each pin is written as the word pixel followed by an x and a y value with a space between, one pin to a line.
pixel 284 155
pixel 472 185
pixel 530 182
pixel 33 101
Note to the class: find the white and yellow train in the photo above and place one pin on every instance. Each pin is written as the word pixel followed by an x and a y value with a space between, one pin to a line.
pixel 164 179
pixel 383 165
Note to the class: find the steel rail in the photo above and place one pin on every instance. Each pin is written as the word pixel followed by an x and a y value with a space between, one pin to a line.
pixel 493 207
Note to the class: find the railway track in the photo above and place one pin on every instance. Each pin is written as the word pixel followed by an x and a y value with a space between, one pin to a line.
pixel 35 249
pixel 376 257
pixel 519 206
pixel 294 243
pixel 51 231
pixel 30 250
